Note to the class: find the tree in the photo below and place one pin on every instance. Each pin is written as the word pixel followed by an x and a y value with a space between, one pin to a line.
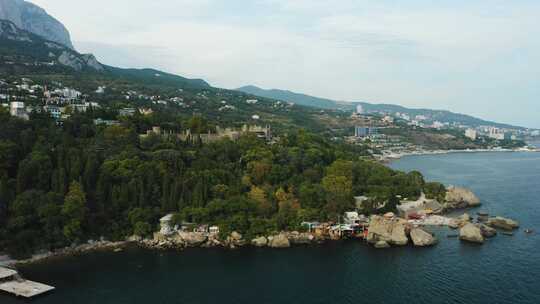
pixel 74 211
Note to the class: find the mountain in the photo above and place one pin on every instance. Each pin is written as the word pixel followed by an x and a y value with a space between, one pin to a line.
pixel 21 46
pixel 297 98
pixel 34 19
pixel 311 101
pixel 24 52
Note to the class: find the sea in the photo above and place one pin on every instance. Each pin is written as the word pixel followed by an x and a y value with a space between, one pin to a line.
pixel 505 269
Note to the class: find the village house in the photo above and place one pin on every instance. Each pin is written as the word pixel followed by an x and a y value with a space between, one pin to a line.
pixel 18 109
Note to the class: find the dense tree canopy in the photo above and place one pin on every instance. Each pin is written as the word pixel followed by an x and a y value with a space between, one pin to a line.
pixel 60 185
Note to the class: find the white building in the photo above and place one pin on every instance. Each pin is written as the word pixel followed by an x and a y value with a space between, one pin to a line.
pixel 496 133
pixel 437 125
pixel 388 119
pixel 71 93
pixel 166 224
pixel 471 134
pixel 359 109
pixel 17 109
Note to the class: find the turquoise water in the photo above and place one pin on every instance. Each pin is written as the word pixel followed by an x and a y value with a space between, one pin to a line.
pixel 504 270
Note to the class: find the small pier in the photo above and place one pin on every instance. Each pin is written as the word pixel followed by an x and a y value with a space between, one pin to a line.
pixel 11 282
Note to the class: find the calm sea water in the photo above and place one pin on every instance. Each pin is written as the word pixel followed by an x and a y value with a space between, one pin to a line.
pixel 504 270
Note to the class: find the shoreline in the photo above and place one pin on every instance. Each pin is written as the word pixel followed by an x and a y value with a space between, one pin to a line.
pixel 396 156
pixel 286 240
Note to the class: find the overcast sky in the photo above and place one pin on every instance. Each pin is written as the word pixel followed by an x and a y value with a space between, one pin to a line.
pixel 478 57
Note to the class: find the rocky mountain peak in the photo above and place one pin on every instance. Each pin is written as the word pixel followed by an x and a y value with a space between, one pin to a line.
pixel 34 19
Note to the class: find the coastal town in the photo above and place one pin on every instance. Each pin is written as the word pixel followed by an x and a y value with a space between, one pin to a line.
pixel 388 135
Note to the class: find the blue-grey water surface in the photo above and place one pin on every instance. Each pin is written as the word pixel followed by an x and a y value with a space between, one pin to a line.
pixel 505 269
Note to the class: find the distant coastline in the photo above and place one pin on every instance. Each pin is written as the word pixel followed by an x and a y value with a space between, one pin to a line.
pixel 398 155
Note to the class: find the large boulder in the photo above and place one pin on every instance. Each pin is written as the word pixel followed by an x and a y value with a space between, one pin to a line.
pixel 298 238
pixel 421 238
pixel 471 233
pixel 391 231
pixel 487 231
pixel 279 241
pixel 457 197
pixel 236 236
pixel 259 242
pixel 192 239
pixel 502 223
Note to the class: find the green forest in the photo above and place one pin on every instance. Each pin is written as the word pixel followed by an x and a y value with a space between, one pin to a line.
pixel 62 185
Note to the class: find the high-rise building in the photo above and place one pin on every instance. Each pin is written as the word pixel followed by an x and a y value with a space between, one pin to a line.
pixel 362 132
pixel 359 109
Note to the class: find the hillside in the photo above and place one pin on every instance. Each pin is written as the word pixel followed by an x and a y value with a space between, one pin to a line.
pixel 22 52
pixel 311 101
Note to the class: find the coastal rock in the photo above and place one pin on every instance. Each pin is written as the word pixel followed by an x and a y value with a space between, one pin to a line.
pixel 391 231
pixel 298 238
pixel 464 218
pixel 192 239
pixel 259 242
pixel 236 236
pixel 421 238
pixel 279 241
pixel 382 245
pixel 471 233
pixel 458 197
pixel 454 223
pixel 502 223
pixel 487 231
pixel 235 240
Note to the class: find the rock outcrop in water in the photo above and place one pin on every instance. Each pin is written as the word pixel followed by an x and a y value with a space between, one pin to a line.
pixel 391 231
pixel 458 197
pixel 259 242
pixel 279 241
pixel 422 238
pixel 34 19
pixel 471 233
pixel 502 223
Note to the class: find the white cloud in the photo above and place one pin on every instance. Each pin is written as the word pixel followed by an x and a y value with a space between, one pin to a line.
pixel 459 55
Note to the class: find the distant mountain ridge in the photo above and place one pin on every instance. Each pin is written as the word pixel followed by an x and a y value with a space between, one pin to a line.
pixel 34 19
pixel 22 51
pixel 324 103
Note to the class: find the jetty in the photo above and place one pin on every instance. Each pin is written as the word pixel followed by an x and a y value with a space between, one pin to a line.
pixel 11 282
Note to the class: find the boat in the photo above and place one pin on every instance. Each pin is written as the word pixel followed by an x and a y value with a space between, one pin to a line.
pixel 508 233
pixel 528 231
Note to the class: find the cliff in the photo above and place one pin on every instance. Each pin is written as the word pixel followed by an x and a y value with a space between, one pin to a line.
pixel 34 19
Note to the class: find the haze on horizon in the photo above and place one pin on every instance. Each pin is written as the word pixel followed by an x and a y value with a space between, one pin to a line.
pixel 475 57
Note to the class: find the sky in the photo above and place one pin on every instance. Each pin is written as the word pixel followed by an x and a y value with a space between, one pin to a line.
pixel 477 57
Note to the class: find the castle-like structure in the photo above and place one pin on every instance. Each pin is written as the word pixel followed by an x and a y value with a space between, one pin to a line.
pixel 220 133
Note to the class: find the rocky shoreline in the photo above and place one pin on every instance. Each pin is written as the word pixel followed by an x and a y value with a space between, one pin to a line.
pixel 382 232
